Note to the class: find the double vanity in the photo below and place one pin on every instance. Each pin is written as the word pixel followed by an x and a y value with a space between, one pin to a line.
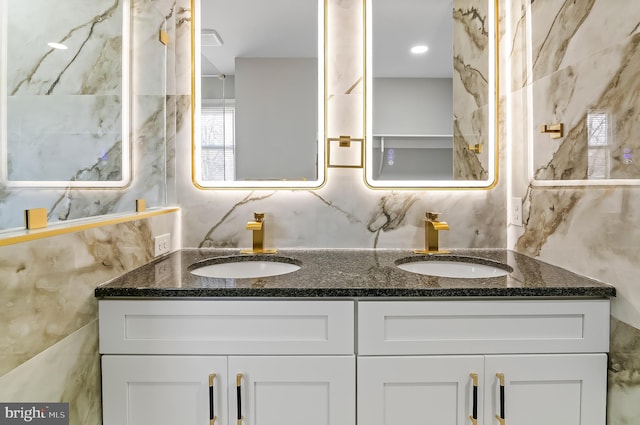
pixel 347 337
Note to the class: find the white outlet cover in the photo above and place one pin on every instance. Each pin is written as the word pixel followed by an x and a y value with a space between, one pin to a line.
pixel 516 211
pixel 162 244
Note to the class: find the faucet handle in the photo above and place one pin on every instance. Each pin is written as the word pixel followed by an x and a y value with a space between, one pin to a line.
pixel 258 216
pixel 432 215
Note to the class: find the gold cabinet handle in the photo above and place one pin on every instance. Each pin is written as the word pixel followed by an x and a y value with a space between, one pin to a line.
pixel 500 417
pixel 239 397
pixel 212 409
pixel 474 413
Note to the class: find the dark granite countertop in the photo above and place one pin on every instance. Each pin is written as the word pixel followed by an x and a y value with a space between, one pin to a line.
pixel 351 273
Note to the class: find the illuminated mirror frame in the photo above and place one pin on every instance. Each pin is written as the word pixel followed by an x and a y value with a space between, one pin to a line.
pixel 196 28
pixel 492 168
pixel 125 117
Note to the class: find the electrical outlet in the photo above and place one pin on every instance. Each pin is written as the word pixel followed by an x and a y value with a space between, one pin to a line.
pixel 516 211
pixel 162 244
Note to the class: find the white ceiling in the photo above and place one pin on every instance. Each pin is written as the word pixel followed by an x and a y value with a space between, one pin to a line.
pixel 288 28
pixel 258 28
pixel 399 25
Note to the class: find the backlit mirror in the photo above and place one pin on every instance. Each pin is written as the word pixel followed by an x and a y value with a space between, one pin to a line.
pixel 430 93
pixel 259 93
pixel 84 122
pixel 64 91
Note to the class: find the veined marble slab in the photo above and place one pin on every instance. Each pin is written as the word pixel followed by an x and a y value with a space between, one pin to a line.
pixel 47 284
pixel 92 31
pixel 67 372
pixel 471 27
pixel 58 137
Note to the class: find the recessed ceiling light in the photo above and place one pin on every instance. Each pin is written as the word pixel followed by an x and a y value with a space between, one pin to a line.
pixel 416 50
pixel 58 46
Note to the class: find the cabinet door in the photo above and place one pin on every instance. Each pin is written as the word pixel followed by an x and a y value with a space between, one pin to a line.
pixel 162 390
pixel 563 389
pixel 417 390
pixel 293 390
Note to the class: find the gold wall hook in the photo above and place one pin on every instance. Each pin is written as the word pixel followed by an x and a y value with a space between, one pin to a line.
pixel 141 205
pixel 35 218
pixel 556 131
pixel 163 37
pixel 477 148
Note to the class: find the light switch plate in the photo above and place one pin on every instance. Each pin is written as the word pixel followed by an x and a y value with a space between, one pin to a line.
pixel 516 211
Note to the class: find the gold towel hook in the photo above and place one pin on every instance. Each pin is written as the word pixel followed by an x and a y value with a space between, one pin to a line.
pixel 556 131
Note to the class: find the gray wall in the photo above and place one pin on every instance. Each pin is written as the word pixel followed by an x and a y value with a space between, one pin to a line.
pixel 418 106
pixel 414 164
pixel 212 88
pixel 412 106
pixel 268 146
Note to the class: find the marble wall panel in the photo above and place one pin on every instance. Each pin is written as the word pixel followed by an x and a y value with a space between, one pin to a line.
pixel 624 374
pixel 471 55
pixel 514 45
pixel 182 48
pixel 566 58
pixel 68 372
pixel 602 83
pixel 468 131
pixel 43 130
pixel 471 77
pixel 93 34
pixel 565 32
pixel 48 314
pixel 149 56
pixel 47 284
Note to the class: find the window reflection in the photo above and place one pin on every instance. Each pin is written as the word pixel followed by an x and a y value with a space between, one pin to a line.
pixel 218 142
pixel 599 144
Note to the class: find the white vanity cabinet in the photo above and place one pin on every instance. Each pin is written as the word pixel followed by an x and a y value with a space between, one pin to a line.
pixel 417 361
pixel 282 363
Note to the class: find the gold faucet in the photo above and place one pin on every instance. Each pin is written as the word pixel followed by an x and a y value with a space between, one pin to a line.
pixel 257 227
pixel 431 228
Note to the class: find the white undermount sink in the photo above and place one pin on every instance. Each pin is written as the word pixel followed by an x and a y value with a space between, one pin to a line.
pixel 456 267
pixel 244 267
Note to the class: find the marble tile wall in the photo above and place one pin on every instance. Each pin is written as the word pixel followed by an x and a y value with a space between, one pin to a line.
pixel 153 126
pixel 48 314
pixel 344 213
pixel 470 86
pixel 567 57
